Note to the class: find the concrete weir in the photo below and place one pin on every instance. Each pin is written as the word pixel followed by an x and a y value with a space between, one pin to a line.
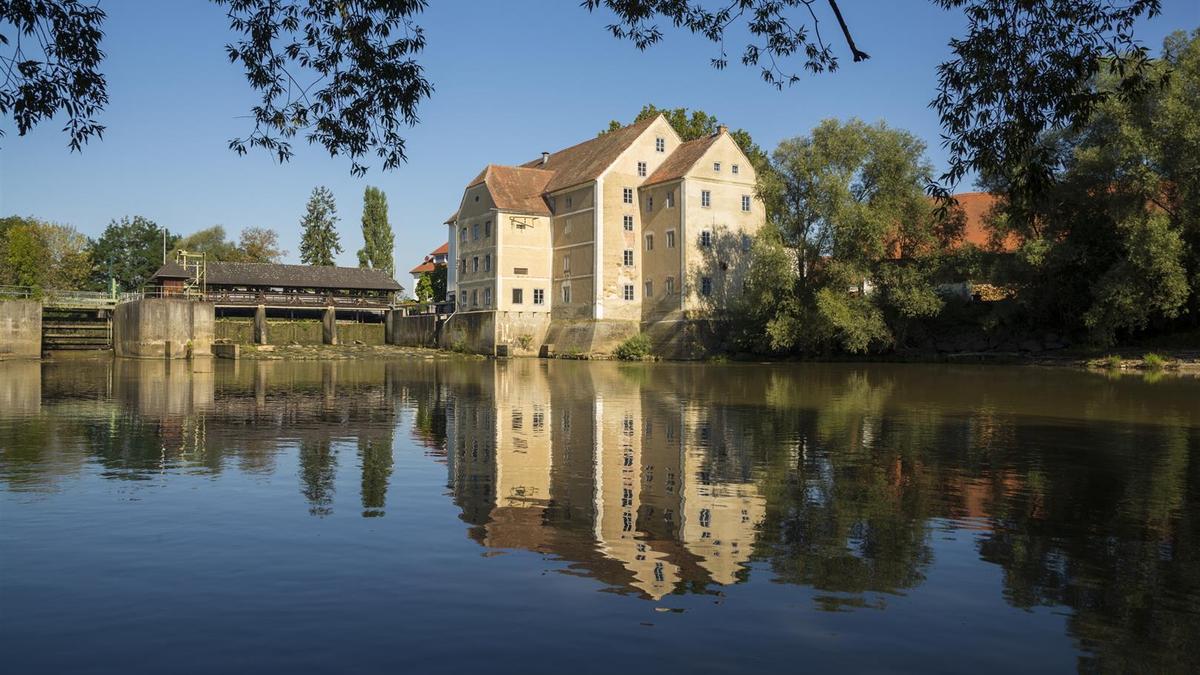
pixel 20 329
pixel 170 328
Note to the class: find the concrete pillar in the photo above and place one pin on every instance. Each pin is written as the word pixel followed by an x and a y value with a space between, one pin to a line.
pixel 329 327
pixel 389 327
pixel 260 325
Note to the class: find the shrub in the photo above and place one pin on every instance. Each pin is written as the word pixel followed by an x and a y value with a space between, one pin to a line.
pixel 633 349
pixel 1111 362
pixel 525 341
pixel 1154 361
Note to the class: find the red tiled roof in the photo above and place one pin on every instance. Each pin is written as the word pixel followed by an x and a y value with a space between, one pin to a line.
pixel 682 160
pixel 444 249
pixel 424 267
pixel 585 161
pixel 977 206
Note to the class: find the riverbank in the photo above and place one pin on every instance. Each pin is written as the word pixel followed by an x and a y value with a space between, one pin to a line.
pixel 343 352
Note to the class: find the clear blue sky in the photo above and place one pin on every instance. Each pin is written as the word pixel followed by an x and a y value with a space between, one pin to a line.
pixel 512 78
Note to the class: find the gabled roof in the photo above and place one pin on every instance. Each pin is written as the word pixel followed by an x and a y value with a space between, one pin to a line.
pixel 515 188
pixel 453 217
pixel 682 160
pixel 444 249
pixel 298 276
pixel 171 270
pixel 424 267
pixel 587 160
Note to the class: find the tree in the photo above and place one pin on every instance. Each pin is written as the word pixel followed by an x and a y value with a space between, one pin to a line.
pixel 129 251
pixel 319 243
pixel 425 287
pixel 260 245
pixel 345 74
pixel 212 243
pixel 694 124
pixel 378 240
pixel 24 257
pixel 854 248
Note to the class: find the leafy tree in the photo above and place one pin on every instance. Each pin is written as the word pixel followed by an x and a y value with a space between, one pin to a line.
pixel 855 248
pixel 319 243
pixel 425 287
pixel 260 245
pixel 694 124
pixel 24 257
pixel 378 239
pixel 438 279
pixel 212 243
pixel 129 251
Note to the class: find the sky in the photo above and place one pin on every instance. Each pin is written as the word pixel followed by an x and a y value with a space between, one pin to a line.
pixel 511 79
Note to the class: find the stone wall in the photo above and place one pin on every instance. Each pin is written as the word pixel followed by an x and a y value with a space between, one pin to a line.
pixel 523 332
pixel 302 332
pixel 163 328
pixel 686 339
pixel 419 330
pixel 20 329
pixel 565 337
pixel 470 331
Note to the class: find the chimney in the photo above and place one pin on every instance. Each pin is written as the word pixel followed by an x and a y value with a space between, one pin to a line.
pixel 722 129
pixel 545 157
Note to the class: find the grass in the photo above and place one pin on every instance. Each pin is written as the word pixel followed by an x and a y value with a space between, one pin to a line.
pixel 634 349
pixel 1154 361
pixel 1111 362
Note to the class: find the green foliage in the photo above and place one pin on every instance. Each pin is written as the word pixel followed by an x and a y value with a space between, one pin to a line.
pixel 43 255
pixel 1111 362
pixel 1154 361
pixel 424 289
pixel 635 348
pixel 260 245
pixel 438 279
pixel 378 239
pixel 129 251
pixel 319 242
pixel 211 242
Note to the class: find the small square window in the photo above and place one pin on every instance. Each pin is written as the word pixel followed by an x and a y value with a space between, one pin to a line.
pixel 641 168
pixel 705 198
pixel 627 257
pixel 717 167
pixel 734 168
pixel 628 292
pixel 746 203
pixel 670 238
pixel 628 220
pixel 670 285
pixel 539 296
pixel 627 195
pixel 706 286
pixel 670 199
pixel 518 295
pixel 649 289
pixel 650 242
pixel 706 238
pixel 660 144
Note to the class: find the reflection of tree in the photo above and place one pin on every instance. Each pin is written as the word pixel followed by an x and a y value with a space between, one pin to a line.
pixel 375 454
pixel 318 469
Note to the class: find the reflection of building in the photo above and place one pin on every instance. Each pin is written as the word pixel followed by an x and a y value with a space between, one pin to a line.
pixel 624 484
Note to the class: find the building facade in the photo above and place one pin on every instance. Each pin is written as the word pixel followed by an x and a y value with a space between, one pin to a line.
pixel 591 244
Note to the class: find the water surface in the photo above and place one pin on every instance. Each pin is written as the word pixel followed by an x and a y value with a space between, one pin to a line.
pixel 530 516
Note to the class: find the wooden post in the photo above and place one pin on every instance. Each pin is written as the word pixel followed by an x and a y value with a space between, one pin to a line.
pixel 260 325
pixel 329 326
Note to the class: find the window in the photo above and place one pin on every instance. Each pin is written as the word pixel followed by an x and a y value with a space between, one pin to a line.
pixel 734 168
pixel 474 231
pixel 487 263
pixel 706 238
pixel 705 198
pixel 520 271
pixel 566 293
pixel 539 296
pixel 746 203
pixel 650 242
pixel 475 264
pixel 462 235
pixel 475 298
pixel 660 144
pixel 670 285
pixel 628 292
pixel 462 265
pixel 627 195
pixel 649 291
pixel 569 200
pixel 627 258
pixel 670 238
pixel 487 297
pixel 487 229
pixel 518 296
pixel 628 223
pixel 746 243
pixel 670 199
pixel 567 264
pixel 717 167
pixel 706 286
pixel 649 203
pixel 641 169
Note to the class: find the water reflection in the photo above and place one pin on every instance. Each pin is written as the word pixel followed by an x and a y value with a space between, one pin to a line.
pixel 693 479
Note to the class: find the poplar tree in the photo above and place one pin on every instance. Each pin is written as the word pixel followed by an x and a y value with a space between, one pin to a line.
pixel 378 239
pixel 319 243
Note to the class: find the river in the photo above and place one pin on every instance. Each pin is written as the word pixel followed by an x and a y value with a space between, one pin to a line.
pixel 454 515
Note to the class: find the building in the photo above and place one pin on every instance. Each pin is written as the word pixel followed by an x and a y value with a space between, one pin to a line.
pixel 630 231
pixel 285 286
pixel 437 258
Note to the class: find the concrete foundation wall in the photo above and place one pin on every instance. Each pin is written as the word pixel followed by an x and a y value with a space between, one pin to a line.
pixel 283 332
pixel 20 329
pixel 523 332
pixel 414 331
pixel 588 337
pixel 686 339
pixel 163 328
pixel 470 331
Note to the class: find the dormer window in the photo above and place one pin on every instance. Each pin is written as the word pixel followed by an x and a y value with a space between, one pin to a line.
pixel 660 144
pixel 641 168
pixel 717 167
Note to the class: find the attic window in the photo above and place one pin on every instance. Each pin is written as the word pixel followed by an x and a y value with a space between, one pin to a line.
pixel 660 144
pixel 717 167
pixel 734 168
pixel 568 202
pixel 641 168
pixel 476 197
